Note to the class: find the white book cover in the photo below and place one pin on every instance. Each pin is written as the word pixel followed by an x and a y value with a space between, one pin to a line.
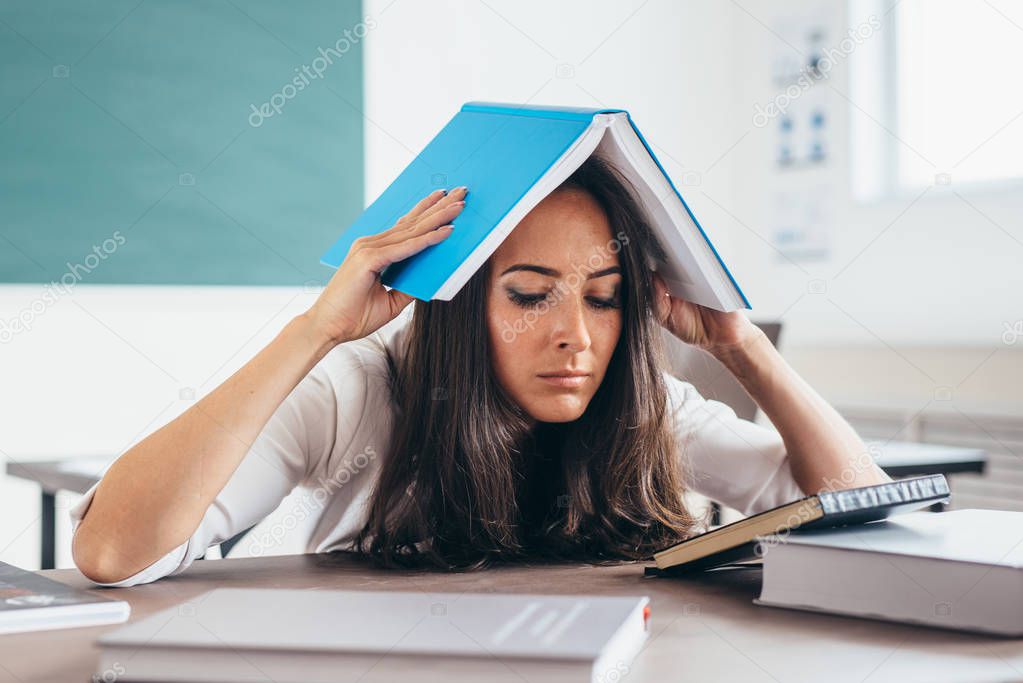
pixel 961 569
pixel 235 634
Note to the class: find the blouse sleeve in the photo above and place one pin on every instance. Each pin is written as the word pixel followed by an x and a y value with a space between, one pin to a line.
pixel 297 439
pixel 733 461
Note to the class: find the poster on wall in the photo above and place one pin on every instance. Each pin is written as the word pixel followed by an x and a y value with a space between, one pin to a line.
pixel 799 116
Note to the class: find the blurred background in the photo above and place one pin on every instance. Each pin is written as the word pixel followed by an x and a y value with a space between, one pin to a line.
pixel 171 172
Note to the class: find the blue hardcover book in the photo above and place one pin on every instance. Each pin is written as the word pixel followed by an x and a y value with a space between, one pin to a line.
pixel 511 157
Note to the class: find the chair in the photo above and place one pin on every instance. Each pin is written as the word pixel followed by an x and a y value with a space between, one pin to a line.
pixel 713 380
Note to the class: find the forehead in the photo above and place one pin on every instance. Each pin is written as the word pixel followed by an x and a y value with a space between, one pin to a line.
pixel 565 229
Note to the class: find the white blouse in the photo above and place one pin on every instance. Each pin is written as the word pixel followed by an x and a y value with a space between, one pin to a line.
pixel 331 432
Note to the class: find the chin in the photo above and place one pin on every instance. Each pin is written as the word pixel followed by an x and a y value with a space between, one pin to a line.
pixel 566 410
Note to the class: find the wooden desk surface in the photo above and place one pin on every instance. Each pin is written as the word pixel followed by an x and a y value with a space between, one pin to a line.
pixel 704 628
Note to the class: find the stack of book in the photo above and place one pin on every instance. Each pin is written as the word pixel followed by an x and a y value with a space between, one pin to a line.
pixel 960 570
pixel 863 552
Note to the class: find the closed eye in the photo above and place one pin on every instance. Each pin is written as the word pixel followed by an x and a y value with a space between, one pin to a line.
pixel 525 300
pixel 603 303
pixel 533 300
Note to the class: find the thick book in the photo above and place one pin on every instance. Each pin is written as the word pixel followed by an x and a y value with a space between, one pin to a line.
pixel 325 636
pixel 961 569
pixel 30 602
pixel 746 539
pixel 511 157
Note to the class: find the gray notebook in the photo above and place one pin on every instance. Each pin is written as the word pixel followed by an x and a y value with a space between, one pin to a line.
pixel 30 602
pixel 236 634
pixel 961 569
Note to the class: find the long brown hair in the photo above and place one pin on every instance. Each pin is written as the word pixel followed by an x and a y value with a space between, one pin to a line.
pixel 469 482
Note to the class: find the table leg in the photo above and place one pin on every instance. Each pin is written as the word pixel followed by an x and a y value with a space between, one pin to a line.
pixel 48 545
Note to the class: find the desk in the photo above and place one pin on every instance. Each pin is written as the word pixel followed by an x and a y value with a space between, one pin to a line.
pixel 897 458
pixel 702 629
pixel 910 458
pixel 71 474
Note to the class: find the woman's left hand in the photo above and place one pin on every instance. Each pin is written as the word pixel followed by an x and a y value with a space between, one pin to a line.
pixel 704 327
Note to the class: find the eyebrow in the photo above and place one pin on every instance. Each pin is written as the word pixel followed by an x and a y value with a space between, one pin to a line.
pixel 550 272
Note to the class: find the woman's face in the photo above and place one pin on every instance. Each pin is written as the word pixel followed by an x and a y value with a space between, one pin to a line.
pixel 553 306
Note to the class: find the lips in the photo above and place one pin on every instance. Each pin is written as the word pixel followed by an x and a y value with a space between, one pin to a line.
pixel 565 373
pixel 565 379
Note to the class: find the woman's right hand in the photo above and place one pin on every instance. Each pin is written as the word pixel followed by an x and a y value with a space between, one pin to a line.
pixel 355 303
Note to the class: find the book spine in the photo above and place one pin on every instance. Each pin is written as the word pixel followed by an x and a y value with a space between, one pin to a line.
pixel 883 495
pixel 563 113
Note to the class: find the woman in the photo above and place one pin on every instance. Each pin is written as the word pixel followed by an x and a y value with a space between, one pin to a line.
pixel 530 415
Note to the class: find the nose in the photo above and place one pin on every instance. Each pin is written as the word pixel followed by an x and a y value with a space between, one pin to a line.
pixel 570 331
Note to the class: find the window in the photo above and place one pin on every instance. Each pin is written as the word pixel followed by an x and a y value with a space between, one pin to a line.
pixel 943 78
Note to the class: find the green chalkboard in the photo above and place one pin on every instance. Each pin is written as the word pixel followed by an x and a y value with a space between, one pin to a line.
pixel 176 141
